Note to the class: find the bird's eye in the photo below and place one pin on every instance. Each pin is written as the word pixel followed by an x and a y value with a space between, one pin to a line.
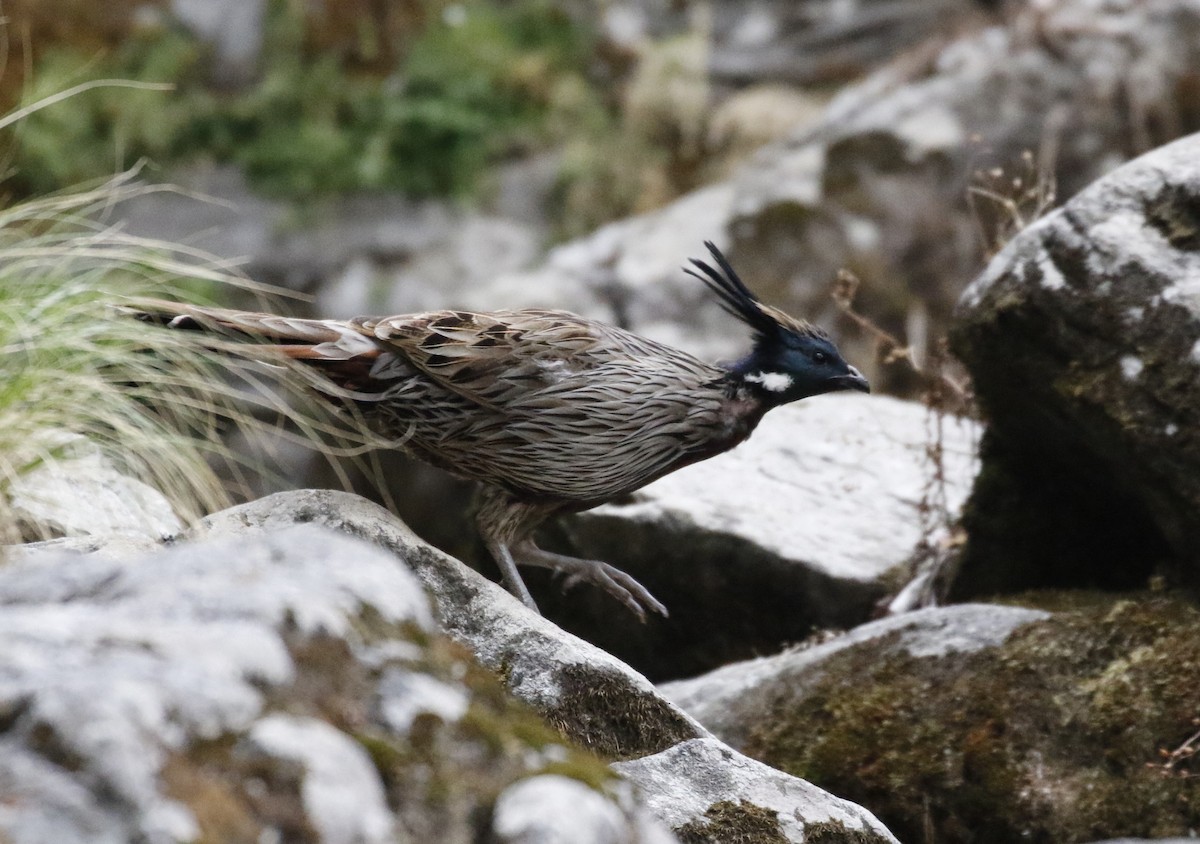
pixel 820 357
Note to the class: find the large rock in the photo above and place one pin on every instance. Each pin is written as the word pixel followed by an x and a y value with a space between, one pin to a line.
pixel 708 792
pixel 692 781
pixel 980 723
pixel 289 686
pixel 1083 338
pixel 589 694
pixel 735 700
pixel 809 524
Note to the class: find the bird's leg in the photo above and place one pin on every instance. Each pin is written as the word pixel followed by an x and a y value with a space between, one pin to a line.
pixel 506 523
pixel 501 519
pixel 609 578
pixel 512 577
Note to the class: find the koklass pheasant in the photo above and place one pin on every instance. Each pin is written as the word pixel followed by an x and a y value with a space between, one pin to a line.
pixel 552 413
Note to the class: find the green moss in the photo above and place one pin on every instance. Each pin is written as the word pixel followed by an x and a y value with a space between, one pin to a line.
pixel 441 775
pixel 836 832
pixel 1058 735
pixel 607 717
pixel 727 822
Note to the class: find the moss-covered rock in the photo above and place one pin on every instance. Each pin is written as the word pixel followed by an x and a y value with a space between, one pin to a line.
pixel 1079 727
pixel 734 823
pixel 580 694
pixel 291 686
pixel 1083 338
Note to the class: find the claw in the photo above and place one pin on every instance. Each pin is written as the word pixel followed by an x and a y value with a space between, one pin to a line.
pixel 612 580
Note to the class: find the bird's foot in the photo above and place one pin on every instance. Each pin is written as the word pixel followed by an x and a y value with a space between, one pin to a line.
pixel 612 580
pixel 616 583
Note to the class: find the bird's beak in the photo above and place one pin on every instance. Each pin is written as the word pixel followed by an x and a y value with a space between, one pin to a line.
pixel 853 381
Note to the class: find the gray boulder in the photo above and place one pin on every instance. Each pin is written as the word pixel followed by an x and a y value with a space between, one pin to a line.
pixel 985 723
pixel 117 674
pixel 732 701
pixel 588 695
pixel 289 686
pixel 1083 338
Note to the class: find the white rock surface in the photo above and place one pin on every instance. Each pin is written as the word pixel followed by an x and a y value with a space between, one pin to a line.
pixel 83 494
pixel 732 700
pixel 832 483
pixel 552 809
pixel 404 695
pixel 532 652
pixel 341 791
pixel 681 783
pixel 108 666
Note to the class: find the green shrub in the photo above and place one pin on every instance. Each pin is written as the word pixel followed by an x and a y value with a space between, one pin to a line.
pixel 475 82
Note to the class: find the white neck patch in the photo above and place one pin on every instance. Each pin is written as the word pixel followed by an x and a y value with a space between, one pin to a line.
pixel 774 382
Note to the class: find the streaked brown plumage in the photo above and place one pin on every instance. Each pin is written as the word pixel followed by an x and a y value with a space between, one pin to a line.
pixel 551 412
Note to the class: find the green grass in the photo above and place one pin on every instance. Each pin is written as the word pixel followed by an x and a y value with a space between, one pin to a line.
pixel 71 364
pixel 157 403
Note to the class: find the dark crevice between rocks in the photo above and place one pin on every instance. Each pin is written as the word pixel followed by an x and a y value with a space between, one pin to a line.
pixel 1044 516
pixel 764 602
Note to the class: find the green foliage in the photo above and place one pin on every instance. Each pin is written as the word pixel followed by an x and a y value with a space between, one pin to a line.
pixel 477 82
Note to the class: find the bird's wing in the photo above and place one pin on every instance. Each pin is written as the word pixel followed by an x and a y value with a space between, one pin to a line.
pixel 578 410
pixel 498 358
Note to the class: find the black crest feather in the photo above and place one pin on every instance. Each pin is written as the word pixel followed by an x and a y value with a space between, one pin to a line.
pixel 736 298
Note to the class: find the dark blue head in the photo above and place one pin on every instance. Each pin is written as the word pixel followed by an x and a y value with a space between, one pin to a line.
pixel 791 359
